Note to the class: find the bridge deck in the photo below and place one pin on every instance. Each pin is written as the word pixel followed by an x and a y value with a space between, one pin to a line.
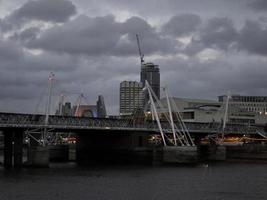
pixel 28 121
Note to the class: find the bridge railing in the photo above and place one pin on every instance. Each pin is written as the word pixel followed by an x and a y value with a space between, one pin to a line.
pixel 87 122
pixel 68 121
pixel 21 119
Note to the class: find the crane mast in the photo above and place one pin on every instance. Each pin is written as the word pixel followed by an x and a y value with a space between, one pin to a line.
pixel 139 49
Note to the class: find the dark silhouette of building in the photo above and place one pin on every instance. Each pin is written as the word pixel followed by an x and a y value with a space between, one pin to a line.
pixel 150 73
pixel 64 109
pixel 101 108
pixel 85 110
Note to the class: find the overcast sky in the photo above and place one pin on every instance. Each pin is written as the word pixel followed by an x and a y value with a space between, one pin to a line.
pixel 204 48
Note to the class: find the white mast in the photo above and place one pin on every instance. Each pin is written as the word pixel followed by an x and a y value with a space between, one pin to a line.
pixel 47 111
pixel 155 113
pixel 225 114
pixel 170 114
pixel 61 102
pixel 78 105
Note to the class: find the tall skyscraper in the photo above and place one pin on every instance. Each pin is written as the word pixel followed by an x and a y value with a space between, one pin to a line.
pixel 131 97
pixel 101 108
pixel 64 110
pixel 151 73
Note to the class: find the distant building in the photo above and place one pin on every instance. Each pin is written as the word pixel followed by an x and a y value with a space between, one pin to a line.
pixel 208 111
pixel 151 74
pixel 197 110
pixel 131 97
pixel 101 108
pixel 256 104
pixel 64 109
pixel 85 111
pixel 98 110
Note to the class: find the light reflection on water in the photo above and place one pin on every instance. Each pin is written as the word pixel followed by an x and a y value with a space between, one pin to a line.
pixel 237 181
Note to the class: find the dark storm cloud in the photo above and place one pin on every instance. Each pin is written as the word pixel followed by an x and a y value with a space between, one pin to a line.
pixel 182 25
pixel 218 32
pixel 45 10
pixel 102 36
pixel 40 10
pixel 151 40
pixel 19 67
pixel 215 33
pixel 9 51
pixel 258 5
pixel 83 35
pixel 253 38
pixel 213 78
pixel 26 35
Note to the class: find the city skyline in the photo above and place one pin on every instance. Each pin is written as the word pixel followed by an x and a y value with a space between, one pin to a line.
pixel 203 50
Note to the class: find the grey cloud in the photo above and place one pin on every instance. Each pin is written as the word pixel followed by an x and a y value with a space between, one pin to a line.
pixel 258 5
pixel 45 10
pixel 253 38
pixel 83 35
pixel 218 32
pixel 102 36
pixel 18 66
pixel 137 24
pixel 23 76
pixel 40 10
pixel 9 51
pixel 26 35
pixel 151 40
pixel 195 79
pixel 182 25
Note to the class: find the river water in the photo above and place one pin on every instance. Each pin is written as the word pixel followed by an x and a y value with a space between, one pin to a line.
pixel 217 181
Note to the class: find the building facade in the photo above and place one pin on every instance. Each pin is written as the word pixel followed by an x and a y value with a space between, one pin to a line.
pixel 208 111
pixel 64 109
pixel 85 111
pixel 131 97
pixel 101 108
pixel 151 74
pixel 97 110
pixel 257 104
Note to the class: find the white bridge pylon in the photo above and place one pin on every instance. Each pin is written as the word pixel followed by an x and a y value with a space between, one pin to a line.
pixel 180 135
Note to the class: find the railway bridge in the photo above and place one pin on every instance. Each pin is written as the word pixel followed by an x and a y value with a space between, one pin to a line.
pixel 97 137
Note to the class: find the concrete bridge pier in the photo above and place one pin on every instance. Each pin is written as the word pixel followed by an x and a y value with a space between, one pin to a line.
pixel 18 149
pixel 8 150
pixel 13 149
pixel 38 156
pixel 217 153
pixel 180 154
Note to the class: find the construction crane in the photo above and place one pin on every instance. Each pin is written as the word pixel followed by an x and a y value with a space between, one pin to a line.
pixel 139 49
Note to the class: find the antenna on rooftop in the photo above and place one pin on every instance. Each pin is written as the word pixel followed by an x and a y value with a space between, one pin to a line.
pixel 139 49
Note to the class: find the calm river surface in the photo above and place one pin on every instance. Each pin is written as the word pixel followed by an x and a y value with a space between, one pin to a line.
pixel 237 181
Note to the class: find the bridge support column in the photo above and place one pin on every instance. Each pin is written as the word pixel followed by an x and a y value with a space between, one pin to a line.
pixel 38 156
pixel 18 148
pixel 13 149
pixel 217 153
pixel 180 154
pixel 8 149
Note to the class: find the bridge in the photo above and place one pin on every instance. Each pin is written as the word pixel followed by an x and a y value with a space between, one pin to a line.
pixel 70 123
pixel 98 137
